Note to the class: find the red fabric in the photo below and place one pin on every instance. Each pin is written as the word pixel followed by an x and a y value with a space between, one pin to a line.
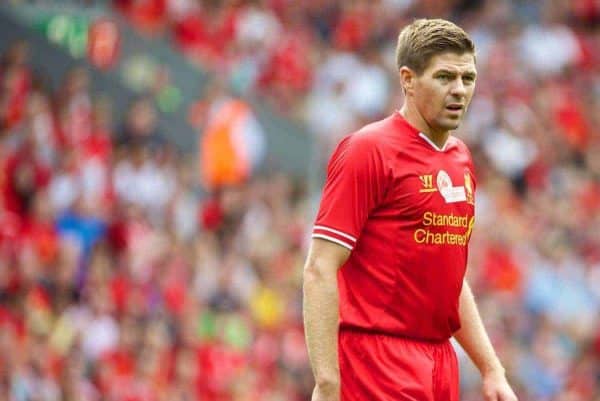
pixel 122 363
pixel 352 31
pixel 500 270
pixel 586 10
pixel 589 199
pixel 211 214
pixel 220 366
pixel 388 198
pixel 117 235
pixel 120 288
pixel 536 175
pixel 590 52
pixel 175 296
pixel 144 13
pixel 104 42
pixel 38 298
pixel 43 237
pixel 131 389
pixel 377 367
pixel 98 145
pixel 265 353
pixel 19 87
pixel 596 346
pixel 288 65
pixel 10 229
pixel 571 120
pixel 191 31
pixel 22 162
pixel 208 35
pixel 12 321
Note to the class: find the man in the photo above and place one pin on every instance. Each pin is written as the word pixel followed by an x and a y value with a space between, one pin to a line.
pixel 384 285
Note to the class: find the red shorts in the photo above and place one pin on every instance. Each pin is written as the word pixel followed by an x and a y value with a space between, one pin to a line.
pixel 376 367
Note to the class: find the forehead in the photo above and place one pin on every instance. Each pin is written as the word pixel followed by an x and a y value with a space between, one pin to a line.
pixel 452 62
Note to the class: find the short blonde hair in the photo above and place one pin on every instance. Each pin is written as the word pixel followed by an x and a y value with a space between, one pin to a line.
pixel 425 38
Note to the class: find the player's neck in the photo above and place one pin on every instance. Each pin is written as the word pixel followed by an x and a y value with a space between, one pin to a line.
pixel 414 118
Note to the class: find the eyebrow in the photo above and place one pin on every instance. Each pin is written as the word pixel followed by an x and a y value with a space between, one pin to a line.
pixel 472 74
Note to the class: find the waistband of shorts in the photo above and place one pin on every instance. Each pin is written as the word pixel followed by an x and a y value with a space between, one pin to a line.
pixel 381 333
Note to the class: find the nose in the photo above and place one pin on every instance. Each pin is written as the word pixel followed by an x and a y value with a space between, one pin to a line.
pixel 458 89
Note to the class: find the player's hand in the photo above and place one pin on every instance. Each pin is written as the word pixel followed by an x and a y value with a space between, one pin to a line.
pixel 330 392
pixel 496 388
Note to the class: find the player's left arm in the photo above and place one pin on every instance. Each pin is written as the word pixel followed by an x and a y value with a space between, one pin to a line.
pixel 475 341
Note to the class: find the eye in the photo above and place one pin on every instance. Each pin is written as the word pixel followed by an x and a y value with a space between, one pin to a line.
pixel 444 77
pixel 468 79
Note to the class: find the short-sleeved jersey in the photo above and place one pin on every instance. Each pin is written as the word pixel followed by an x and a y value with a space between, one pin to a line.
pixel 405 208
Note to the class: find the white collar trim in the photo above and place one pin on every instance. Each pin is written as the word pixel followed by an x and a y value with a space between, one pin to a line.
pixel 433 145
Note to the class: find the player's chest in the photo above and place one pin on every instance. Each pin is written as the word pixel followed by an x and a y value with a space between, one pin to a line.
pixel 441 185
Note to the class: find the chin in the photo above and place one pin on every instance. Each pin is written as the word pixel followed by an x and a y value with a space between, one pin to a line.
pixel 455 123
pixel 449 125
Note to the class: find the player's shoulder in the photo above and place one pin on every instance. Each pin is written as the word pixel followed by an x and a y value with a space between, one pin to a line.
pixel 371 136
pixel 359 147
pixel 460 150
pixel 459 144
pixel 381 128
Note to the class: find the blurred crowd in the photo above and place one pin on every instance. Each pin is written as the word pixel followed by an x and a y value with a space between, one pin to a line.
pixel 123 279
pixel 120 279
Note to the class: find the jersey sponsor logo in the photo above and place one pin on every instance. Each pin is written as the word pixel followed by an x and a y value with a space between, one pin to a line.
pixel 449 192
pixel 429 236
pixel 427 181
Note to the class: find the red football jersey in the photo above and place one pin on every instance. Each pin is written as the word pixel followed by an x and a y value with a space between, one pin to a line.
pixel 406 210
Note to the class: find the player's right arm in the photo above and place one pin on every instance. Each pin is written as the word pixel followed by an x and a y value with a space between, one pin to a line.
pixel 356 183
pixel 321 315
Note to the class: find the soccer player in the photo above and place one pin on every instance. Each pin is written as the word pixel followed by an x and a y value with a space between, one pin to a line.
pixel 384 286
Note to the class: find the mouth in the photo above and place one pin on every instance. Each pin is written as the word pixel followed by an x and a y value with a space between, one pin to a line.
pixel 455 107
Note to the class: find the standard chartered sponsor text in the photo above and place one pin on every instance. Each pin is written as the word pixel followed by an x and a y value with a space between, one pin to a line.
pixel 426 236
pixel 451 220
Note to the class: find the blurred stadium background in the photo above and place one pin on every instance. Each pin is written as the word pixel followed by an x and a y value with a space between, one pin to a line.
pixel 160 166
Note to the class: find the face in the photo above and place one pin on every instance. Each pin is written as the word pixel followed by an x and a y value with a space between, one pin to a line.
pixel 442 93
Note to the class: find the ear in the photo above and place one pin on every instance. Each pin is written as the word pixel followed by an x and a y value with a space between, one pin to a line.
pixel 407 79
